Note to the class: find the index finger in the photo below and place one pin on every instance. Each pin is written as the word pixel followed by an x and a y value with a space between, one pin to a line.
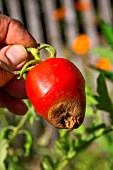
pixel 13 32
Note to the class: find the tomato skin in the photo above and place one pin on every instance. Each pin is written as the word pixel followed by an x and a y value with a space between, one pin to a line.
pixel 54 81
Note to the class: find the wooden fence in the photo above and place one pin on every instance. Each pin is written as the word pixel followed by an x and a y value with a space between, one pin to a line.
pixel 37 16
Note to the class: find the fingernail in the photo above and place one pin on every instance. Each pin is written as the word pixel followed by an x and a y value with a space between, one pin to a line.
pixel 16 54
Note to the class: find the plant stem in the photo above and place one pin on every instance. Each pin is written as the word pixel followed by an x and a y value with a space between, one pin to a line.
pixel 24 68
pixel 50 49
pixel 19 126
pixel 34 52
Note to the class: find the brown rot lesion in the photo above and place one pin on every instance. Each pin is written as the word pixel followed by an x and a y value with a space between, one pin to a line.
pixel 67 115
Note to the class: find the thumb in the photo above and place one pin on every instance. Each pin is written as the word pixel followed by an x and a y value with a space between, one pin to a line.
pixel 13 58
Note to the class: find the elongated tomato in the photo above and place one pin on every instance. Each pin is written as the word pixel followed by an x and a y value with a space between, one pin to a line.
pixel 56 88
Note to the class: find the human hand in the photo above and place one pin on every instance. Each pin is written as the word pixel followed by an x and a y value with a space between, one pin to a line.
pixel 13 40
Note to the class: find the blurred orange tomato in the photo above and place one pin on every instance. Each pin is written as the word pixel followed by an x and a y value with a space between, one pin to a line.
pixel 59 13
pixel 82 6
pixel 81 44
pixel 104 64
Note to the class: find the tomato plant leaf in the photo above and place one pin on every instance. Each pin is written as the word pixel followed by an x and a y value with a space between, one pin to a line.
pixel 107 31
pixel 101 52
pixel 89 96
pixel 107 74
pixel 47 163
pixel 3 153
pixel 93 128
pixel 28 142
pixel 6 131
pixel 80 131
pixel 61 146
pixel 63 133
pixel 60 165
pixel 71 153
pixel 90 101
pixel 104 101
pixel 3 119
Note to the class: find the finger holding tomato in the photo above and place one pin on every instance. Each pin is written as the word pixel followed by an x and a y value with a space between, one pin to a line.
pixel 14 38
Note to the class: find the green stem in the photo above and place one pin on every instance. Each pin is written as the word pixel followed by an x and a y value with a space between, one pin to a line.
pixel 19 126
pixel 34 52
pixel 22 122
pixel 50 49
pixel 24 68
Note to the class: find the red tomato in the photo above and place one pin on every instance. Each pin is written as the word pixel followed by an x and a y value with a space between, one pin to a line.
pixel 56 88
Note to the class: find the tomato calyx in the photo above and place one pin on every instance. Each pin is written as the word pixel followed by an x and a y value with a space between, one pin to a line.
pixel 35 52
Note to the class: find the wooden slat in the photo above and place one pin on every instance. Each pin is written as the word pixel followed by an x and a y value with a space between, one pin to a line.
pixel 14 9
pixel 70 18
pixel 33 19
pixel 71 30
pixel 1 6
pixel 52 27
pixel 89 22
pixel 105 10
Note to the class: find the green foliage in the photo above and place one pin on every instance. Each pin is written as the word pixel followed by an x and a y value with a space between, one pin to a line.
pixel 107 74
pixel 104 101
pixel 28 142
pixel 101 52
pixel 3 153
pixel 107 31
pixel 8 135
pixel 91 101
